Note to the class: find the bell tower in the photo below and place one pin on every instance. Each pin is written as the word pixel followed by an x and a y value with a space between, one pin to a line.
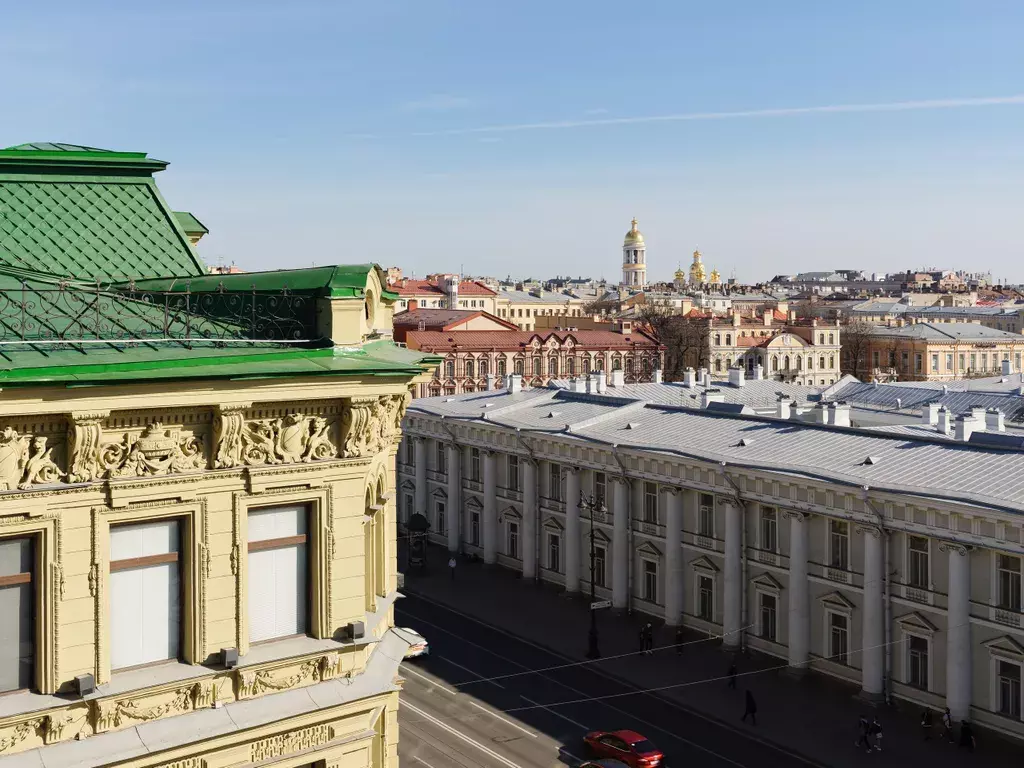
pixel 634 259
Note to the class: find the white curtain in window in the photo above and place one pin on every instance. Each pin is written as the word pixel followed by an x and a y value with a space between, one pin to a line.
pixel 145 601
pixel 278 576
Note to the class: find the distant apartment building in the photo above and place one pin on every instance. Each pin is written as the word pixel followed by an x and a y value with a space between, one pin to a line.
pixel 443 291
pixel 941 352
pixel 523 307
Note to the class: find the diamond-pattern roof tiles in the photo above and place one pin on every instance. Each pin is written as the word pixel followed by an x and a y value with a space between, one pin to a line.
pixel 106 228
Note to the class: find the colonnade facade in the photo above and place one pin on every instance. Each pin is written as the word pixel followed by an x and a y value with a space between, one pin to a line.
pixel 908 597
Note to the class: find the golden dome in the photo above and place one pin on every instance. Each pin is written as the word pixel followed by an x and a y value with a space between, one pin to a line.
pixel 697 271
pixel 680 275
pixel 715 277
pixel 634 236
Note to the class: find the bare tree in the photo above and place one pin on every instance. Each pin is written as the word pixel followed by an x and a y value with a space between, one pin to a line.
pixel 601 307
pixel 685 339
pixel 857 336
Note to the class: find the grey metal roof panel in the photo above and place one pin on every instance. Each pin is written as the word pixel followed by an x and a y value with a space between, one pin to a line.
pixel 910 398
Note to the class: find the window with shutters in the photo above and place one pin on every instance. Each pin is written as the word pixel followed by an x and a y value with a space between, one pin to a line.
pixel 17 606
pixel 278 572
pixel 145 593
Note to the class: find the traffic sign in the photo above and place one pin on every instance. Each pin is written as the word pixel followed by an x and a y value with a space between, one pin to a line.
pixel 600 604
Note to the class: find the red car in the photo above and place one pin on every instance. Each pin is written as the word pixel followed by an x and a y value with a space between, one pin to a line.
pixel 630 747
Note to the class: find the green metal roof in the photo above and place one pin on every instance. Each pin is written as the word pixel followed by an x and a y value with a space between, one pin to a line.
pixel 190 224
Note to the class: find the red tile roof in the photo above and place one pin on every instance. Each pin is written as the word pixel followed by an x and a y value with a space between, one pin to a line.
pixel 413 288
pixel 514 340
pixel 443 319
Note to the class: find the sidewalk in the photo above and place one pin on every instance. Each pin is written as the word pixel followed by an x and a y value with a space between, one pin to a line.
pixel 815 717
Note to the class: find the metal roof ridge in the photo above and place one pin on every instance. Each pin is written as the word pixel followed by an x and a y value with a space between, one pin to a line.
pixel 637 405
pixel 519 404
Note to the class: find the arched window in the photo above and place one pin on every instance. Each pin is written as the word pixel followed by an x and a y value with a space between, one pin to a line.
pixel 718 339
pixel 599 364
pixel 718 365
pixel 646 366
pixel 501 367
pixel 728 339
pixel 831 338
pixel 449 369
pixel 518 367
pixel 571 362
pixel 616 363
pixel 629 366
pixel 775 363
pixel 785 362
pixel 831 361
pixel 810 362
pixel 469 388
pixel 553 366
pixel 483 367
pixel 586 366
pixel 799 363
pixel 536 366
pixel 821 362
pixel 469 369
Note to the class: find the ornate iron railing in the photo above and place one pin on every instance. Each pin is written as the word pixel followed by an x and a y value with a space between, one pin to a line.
pixel 71 314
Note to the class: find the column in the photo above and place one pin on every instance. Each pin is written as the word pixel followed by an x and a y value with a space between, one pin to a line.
pixel 958 632
pixel 620 543
pixel 529 544
pixel 572 530
pixel 673 500
pixel 799 595
pixel 420 457
pixel 454 510
pixel 490 521
pixel 732 614
pixel 873 637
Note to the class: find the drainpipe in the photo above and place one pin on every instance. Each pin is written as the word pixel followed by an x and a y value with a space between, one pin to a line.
pixel 886 537
pixel 459 512
pixel 743 560
pixel 629 520
pixel 536 496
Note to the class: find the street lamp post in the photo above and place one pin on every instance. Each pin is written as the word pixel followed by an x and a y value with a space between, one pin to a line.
pixel 591 503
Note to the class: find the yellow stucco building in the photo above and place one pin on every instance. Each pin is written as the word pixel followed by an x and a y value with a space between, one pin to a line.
pixel 197 517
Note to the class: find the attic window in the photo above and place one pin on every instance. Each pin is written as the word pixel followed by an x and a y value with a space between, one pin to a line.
pixel 871 460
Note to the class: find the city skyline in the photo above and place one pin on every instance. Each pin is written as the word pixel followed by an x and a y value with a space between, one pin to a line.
pixel 432 137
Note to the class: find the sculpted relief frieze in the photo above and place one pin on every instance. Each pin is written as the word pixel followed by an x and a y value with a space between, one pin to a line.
pixel 26 460
pixel 369 425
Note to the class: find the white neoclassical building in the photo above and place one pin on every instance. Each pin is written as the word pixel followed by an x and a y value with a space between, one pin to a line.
pixel 892 561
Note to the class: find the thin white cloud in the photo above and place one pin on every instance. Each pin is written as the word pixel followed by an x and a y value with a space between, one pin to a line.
pixel 438 102
pixel 893 106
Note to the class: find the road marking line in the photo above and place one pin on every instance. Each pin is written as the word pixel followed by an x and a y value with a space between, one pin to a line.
pixel 423 677
pixel 460 735
pixel 467 669
pixel 420 759
pixel 504 720
pixel 556 714
pixel 607 676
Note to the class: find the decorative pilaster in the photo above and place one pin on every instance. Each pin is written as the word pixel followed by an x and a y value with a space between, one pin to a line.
pixel 620 543
pixel 673 500
pixel 733 606
pixel 873 637
pixel 958 631
pixel 420 452
pixel 799 597
pixel 572 530
pixel 453 516
pixel 490 521
pixel 529 546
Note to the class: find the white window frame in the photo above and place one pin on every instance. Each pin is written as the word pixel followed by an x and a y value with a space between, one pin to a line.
pixel 909 589
pixel 307 560
pixel 774 595
pixel 703 509
pixel 996 581
pixel 650 510
pixel 994 660
pixel 829 612
pixel 908 634
pixel 512 471
pixel 762 544
pixel 828 544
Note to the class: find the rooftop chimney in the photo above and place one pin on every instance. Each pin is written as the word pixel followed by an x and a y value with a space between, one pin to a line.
pixel 712 396
pixel 735 318
pixel 821 413
pixel 601 382
pixel 657 376
pixel 736 376
pixel 618 378
pixel 689 378
pixel 930 414
pixel 965 426
pixel 490 378
pixel 840 414
pixel 768 317
pixel 978 414
pixel 413 305
pixel 785 404
pixel 994 420
pixel 702 377
pixel 514 383
pixel 758 372
pixel 944 425
pixel 590 384
pixel 578 384
pixel 1007 367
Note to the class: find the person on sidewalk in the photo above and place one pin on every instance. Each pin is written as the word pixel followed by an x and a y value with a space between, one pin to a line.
pixel 966 736
pixel 679 641
pixel 947 726
pixel 750 708
pixel 649 633
pixel 876 733
pixel 451 566
pixel 643 639
pixel 732 674
pixel 864 740
pixel 926 723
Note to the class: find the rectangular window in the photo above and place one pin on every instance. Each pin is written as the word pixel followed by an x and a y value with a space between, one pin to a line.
pixel 554 552
pixel 768 606
pixel 600 556
pixel 474 464
pixel 706 515
pixel 600 488
pixel 474 528
pixel 917 362
pixel 838 544
pixel 650 581
pixel 440 518
pixel 278 572
pixel 949 361
pixel 935 363
pixel 410 451
pixel 513 472
pixel 1008 683
pixel 963 361
pixel 145 593
pixel 513 540
pixel 918 571
pixel 769 529
pixel 554 482
pixel 17 606
pixel 839 638
pixel 1008 575
pixel 441 459
pixel 706 598
pixel 650 503
pixel 917 662
pixel 974 362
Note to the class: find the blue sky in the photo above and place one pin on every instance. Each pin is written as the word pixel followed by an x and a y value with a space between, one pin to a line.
pixel 322 132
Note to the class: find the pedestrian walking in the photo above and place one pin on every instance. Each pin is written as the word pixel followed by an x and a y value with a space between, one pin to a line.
pixel 876 733
pixel 451 567
pixel 650 639
pixel 926 723
pixel 679 641
pixel 947 726
pixel 864 740
pixel 732 675
pixel 750 708
pixel 966 735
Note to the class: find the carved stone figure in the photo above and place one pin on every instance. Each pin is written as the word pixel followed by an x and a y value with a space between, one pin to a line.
pixel 13 448
pixel 292 436
pixel 21 466
pixel 229 428
pixel 319 445
pixel 258 443
pixel 295 438
pixel 40 468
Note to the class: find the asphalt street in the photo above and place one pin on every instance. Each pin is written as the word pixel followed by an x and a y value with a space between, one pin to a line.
pixel 486 698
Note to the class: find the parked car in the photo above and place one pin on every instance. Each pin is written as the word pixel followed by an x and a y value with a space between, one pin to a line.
pixel 418 645
pixel 604 762
pixel 629 747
